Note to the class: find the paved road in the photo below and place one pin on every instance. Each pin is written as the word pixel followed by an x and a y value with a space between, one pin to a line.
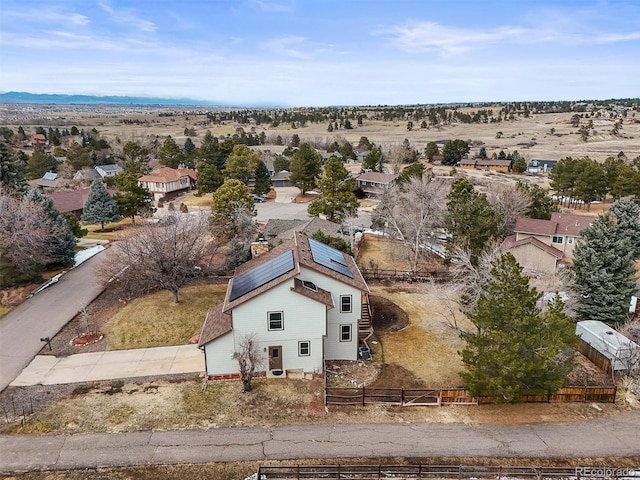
pixel 43 315
pixel 606 436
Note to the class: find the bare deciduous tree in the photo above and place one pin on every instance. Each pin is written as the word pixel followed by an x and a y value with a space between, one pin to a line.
pixel 412 211
pixel 510 202
pixel 24 232
pixel 249 359
pixel 395 157
pixel 161 256
pixel 470 279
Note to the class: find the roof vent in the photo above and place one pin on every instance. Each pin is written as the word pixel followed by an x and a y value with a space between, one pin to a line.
pixel 609 332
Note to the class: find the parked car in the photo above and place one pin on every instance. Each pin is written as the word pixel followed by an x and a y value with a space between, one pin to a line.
pixel 257 198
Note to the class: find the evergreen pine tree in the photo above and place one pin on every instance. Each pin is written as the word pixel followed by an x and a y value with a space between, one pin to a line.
pixel 11 170
pixel 517 349
pixel 602 272
pixel 100 207
pixel 627 214
pixel 60 242
pixel 262 179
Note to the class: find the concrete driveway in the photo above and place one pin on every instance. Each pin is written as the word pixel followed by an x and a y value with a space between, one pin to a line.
pixel 286 194
pixel 95 366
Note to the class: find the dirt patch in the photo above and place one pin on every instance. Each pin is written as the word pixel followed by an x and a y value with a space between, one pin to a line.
pixel 396 376
pixel 387 316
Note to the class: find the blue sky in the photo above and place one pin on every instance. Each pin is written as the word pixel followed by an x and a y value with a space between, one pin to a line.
pixel 323 52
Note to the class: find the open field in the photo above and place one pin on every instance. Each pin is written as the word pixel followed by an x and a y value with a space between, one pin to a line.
pixel 531 136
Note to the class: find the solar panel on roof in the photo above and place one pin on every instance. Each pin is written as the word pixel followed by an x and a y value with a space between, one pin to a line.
pixel 329 257
pixel 264 273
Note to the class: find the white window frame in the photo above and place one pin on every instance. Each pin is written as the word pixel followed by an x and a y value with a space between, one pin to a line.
pixel 301 344
pixel 345 328
pixel 269 321
pixel 342 309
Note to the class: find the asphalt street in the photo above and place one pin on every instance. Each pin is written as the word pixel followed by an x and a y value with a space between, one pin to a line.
pixel 43 315
pixel 617 435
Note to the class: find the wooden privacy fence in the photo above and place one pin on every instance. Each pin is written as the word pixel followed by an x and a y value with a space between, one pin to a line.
pixel 454 396
pixel 376 472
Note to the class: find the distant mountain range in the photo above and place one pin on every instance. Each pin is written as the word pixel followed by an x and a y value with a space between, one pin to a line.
pixel 33 98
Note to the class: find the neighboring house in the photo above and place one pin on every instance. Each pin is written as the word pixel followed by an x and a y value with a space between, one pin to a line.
pixel 361 154
pixel 48 180
pixel 541 167
pixel 72 200
pixel 327 155
pixel 605 347
pixel 101 171
pixel 375 183
pixel 488 164
pixel 468 163
pixel 38 140
pixel 109 170
pixel 88 174
pixel 281 179
pixel 165 182
pixel 493 165
pixel 277 230
pixel 541 244
pixel 304 303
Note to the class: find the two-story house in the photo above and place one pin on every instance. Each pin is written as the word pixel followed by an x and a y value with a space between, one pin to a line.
pixel 542 244
pixel 165 181
pixel 303 302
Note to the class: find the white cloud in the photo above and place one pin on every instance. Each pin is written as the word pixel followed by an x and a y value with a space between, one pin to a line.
pixel 128 17
pixel 447 41
pixel 47 15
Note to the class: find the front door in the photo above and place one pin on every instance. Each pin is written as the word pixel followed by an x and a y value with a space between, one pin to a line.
pixel 275 358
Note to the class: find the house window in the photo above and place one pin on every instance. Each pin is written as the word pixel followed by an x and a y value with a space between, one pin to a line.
pixel 557 239
pixel 570 240
pixel 158 185
pixel 345 303
pixel 275 321
pixel 345 333
pixel 304 349
pixel 309 285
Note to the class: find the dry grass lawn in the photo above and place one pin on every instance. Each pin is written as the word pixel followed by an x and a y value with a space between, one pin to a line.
pixel 385 254
pixel 111 230
pixel 154 321
pixel 4 310
pixel 429 346
pixel 190 199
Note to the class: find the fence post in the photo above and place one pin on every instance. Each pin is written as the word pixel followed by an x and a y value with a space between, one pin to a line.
pixel 584 396
pixel 363 395
pixel 402 396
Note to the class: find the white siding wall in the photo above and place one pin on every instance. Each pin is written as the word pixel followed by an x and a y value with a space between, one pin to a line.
pixel 219 355
pixel 334 349
pixel 304 320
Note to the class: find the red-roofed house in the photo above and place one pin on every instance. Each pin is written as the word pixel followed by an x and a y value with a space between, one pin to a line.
pixel 540 244
pixel 165 182
pixel 303 301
